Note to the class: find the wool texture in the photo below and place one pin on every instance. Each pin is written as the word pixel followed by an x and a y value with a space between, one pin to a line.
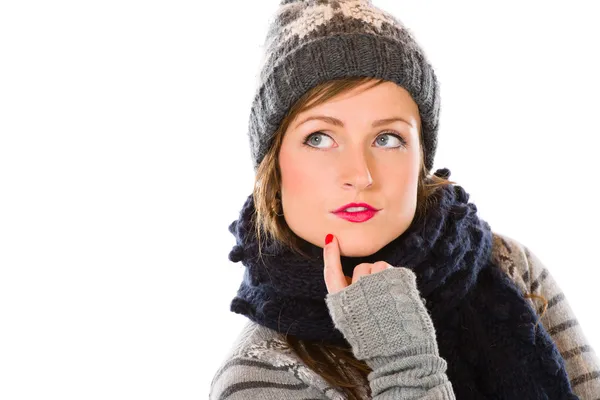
pixel 486 330
pixel 310 42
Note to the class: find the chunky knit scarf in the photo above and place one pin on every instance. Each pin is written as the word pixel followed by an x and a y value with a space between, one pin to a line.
pixel 486 330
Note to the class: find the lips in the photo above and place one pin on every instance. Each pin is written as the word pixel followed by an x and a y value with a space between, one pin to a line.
pixel 343 208
pixel 356 216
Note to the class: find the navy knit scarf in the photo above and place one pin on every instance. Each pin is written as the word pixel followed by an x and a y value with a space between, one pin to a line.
pixel 485 328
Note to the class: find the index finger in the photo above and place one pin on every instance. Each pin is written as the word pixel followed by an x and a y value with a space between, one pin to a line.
pixel 334 276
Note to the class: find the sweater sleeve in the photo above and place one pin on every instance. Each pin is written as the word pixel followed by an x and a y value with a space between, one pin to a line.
pixel 384 319
pixel 262 365
pixel 560 322
pixel 245 378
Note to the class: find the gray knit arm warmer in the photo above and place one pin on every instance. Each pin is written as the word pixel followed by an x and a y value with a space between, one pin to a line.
pixel 383 317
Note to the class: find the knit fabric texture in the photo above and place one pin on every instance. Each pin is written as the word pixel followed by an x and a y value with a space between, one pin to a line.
pixel 262 365
pixel 383 316
pixel 312 42
pixel 487 331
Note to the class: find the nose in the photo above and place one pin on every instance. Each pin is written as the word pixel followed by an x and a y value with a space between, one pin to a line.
pixel 356 170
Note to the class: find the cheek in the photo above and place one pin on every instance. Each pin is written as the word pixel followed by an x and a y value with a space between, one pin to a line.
pixel 400 182
pixel 299 177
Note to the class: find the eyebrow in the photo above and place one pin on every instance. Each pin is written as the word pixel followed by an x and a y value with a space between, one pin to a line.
pixel 337 122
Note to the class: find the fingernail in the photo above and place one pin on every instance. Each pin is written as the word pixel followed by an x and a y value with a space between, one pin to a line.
pixel 328 238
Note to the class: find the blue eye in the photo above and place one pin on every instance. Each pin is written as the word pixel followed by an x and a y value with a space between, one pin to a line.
pixel 314 139
pixel 395 137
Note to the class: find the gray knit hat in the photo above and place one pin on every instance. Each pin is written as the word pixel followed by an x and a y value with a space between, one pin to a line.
pixel 313 41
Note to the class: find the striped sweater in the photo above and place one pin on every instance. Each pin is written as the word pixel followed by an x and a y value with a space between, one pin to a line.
pixel 559 320
pixel 261 364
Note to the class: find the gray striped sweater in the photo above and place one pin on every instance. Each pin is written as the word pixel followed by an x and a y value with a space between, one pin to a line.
pixel 262 366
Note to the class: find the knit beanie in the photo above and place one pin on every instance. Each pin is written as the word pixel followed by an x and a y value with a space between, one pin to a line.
pixel 313 41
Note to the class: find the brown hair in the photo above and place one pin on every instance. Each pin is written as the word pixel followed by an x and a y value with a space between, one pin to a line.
pixel 323 358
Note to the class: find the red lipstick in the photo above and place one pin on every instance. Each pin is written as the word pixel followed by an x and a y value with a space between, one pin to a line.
pixel 367 212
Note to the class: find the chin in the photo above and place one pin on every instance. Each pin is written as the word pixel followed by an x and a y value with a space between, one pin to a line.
pixel 357 247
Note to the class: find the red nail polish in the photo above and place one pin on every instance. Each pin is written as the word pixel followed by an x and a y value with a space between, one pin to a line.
pixel 328 238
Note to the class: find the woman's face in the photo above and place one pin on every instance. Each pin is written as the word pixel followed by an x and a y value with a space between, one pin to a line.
pixel 351 157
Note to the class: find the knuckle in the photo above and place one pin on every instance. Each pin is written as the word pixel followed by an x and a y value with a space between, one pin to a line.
pixel 363 267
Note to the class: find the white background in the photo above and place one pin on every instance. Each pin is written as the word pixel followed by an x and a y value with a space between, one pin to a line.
pixel 124 157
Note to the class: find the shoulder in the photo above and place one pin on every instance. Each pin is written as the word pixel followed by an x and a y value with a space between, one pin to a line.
pixel 519 262
pixel 531 276
pixel 261 364
pixel 521 265
pixel 513 258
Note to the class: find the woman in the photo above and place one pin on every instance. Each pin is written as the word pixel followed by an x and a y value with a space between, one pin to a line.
pixel 414 297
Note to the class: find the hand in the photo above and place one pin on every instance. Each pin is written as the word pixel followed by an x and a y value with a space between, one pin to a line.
pixel 335 280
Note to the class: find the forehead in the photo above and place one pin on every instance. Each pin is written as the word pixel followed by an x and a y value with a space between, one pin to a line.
pixel 381 101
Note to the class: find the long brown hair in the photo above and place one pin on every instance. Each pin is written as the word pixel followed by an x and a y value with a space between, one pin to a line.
pixel 323 358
